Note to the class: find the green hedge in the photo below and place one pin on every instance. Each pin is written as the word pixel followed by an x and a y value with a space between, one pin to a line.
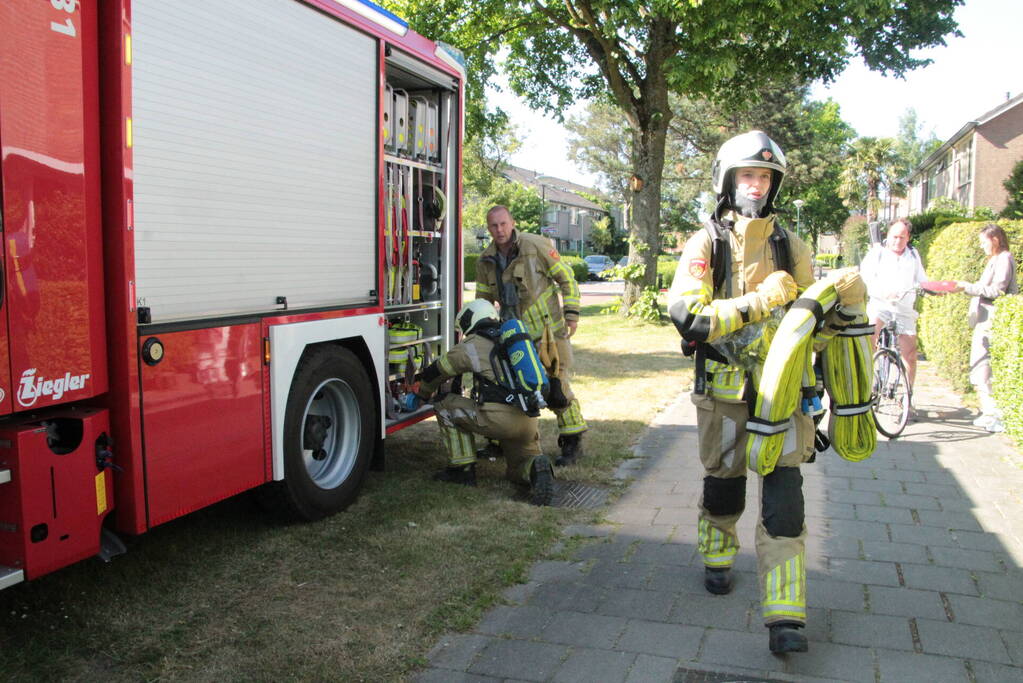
pixel 1007 361
pixel 827 260
pixel 577 265
pixel 952 253
pixel 666 266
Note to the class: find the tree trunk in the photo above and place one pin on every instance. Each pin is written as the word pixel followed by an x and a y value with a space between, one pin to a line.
pixel 645 227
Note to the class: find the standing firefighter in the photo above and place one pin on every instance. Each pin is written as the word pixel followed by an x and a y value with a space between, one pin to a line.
pixel 490 412
pixel 732 274
pixel 525 275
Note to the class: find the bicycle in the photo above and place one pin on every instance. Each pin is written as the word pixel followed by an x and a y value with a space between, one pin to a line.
pixel 890 396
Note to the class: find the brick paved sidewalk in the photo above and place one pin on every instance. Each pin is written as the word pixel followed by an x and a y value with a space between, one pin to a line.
pixel 914 563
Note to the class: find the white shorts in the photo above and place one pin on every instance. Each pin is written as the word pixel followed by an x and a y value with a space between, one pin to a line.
pixel 905 323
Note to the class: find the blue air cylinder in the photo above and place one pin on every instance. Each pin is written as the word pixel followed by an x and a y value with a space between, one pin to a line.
pixel 529 372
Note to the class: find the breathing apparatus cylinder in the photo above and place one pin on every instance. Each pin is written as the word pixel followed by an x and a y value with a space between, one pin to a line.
pixel 527 371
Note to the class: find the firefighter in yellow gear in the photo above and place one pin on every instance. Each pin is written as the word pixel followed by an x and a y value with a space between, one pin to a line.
pixel 525 275
pixel 487 413
pixel 732 274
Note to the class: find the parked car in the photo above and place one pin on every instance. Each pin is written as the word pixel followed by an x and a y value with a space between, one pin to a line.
pixel 623 261
pixel 596 264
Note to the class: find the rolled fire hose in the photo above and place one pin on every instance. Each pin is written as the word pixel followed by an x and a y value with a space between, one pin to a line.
pixel 788 371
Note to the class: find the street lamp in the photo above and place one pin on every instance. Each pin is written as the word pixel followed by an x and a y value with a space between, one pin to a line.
pixel 799 205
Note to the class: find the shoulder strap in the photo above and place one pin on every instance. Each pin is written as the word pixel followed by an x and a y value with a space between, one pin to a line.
pixel 720 253
pixel 781 250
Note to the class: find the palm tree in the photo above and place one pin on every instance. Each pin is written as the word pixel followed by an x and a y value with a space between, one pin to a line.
pixel 871 167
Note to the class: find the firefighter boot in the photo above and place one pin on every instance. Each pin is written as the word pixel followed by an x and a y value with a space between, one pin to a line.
pixel 541 481
pixel 460 474
pixel 787 636
pixel 718 580
pixel 491 451
pixel 571 449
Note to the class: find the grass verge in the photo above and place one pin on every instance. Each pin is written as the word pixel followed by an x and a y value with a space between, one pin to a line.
pixel 228 593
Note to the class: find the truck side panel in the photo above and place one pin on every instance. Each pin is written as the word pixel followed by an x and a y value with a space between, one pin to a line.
pixel 254 142
pixel 52 272
pixel 202 407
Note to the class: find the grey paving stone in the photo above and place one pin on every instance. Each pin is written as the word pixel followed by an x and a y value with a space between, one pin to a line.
pixel 972 540
pixel 1014 644
pixel 663 553
pixel 670 579
pixel 911 502
pixel 879 485
pixel 871 630
pixel 865 531
pixel 630 533
pixel 987 612
pixel 884 551
pixel 950 520
pixel 586 666
pixel 647 668
pixel 519 659
pixel 980 560
pixel 631 514
pixel 949 579
pixel 613 574
pixel 942 492
pixel 448 676
pixel 907 667
pixel 588 530
pixel 665 640
pixel 1000 586
pixel 854 496
pixel 831 660
pixel 882 513
pixel 521 622
pixel 520 593
pixel 831 594
pixel 571 596
pixel 906 602
pixel 876 573
pixel 961 640
pixel 739 649
pixel 556 571
pixel 456 650
pixel 717 611
pixel 833 546
pixel 615 548
pixel 637 604
pixel 585 630
pixel 816 515
pixel 921 535
pixel 986 672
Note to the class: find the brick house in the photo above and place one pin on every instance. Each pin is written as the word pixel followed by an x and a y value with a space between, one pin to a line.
pixel 971 166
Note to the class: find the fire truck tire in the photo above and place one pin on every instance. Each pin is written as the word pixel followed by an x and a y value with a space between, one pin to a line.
pixel 328 434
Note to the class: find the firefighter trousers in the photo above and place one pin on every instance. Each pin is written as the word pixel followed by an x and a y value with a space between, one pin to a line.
pixel 517 433
pixel 780 532
pixel 570 416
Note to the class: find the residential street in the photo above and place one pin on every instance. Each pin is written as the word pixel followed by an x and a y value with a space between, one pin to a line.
pixel 914 559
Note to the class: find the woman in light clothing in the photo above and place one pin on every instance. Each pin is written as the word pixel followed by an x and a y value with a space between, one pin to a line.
pixel 998 278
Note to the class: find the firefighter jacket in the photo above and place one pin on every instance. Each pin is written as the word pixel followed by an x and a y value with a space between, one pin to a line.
pixel 536 270
pixel 703 315
pixel 472 354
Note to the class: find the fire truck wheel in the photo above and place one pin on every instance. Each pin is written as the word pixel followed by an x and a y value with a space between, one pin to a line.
pixel 328 433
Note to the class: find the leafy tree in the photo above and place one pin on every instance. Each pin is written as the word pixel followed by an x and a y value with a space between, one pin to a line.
pixel 637 52
pixel 524 203
pixel 1014 186
pixel 601 235
pixel 911 147
pixel 871 169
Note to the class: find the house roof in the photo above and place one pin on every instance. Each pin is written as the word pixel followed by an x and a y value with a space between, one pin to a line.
pixel 555 189
pixel 967 127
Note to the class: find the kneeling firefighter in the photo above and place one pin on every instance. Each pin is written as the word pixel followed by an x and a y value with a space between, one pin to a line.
pixel 498 409
pixel 730 275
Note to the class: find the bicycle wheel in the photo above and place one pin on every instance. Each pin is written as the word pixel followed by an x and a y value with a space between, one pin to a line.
pixel 890 394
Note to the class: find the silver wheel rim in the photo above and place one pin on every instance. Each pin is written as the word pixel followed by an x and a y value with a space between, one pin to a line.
pixel 335 400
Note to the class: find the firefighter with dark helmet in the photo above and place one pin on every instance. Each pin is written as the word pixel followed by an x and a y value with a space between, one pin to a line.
pixel 731 274
pixel 487 413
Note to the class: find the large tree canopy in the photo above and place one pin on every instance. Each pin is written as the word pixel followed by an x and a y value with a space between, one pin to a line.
pixel 637 52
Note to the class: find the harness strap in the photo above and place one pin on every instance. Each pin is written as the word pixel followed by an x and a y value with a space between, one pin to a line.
pixel 851 408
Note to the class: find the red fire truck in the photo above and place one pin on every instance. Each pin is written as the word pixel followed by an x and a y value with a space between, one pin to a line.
pixel 230 236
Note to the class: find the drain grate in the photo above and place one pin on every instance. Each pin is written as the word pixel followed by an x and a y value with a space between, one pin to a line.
pixel 696 676
pixel 571 494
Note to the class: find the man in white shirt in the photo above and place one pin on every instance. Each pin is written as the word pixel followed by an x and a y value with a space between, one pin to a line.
pixel 892 271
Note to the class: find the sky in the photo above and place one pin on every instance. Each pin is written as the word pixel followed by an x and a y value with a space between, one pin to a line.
pixel 968 77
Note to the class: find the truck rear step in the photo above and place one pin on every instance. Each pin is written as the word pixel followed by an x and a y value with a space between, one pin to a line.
pixel 10 576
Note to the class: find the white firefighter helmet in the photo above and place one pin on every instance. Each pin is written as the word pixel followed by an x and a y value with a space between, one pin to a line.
pixel 752 149
pixel 475 312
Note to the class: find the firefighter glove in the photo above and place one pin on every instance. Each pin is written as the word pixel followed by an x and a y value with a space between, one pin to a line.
pixel 850 287
pixel 777 289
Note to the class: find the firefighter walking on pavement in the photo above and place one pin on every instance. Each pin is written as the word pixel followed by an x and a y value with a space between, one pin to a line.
pixel 490 412
pixel 525 276
pixel 732 274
